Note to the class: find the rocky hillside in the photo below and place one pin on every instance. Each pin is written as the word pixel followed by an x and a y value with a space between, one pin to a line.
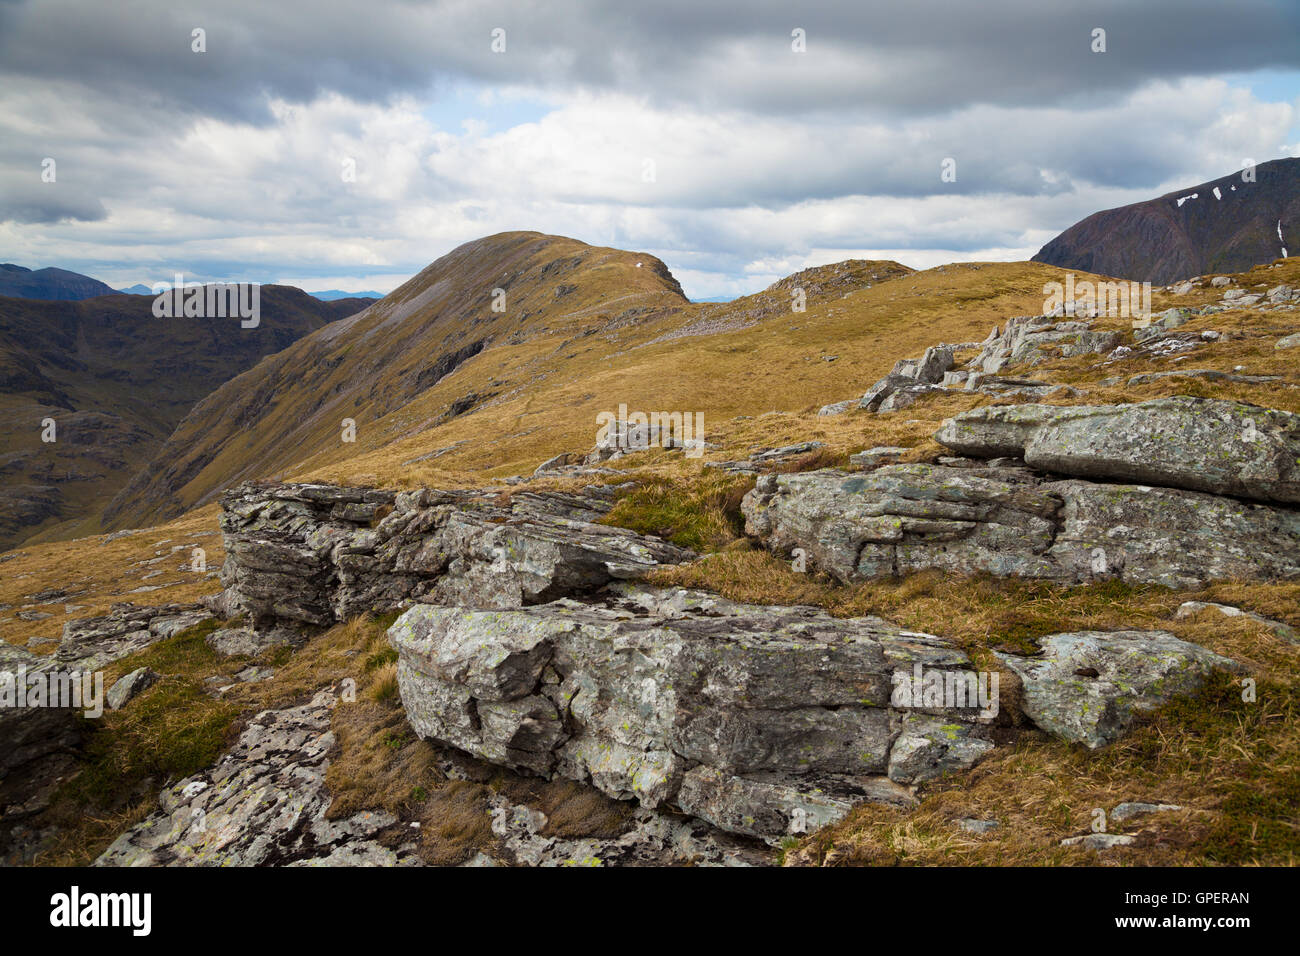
pixel 555 296
pixel 58 284
pixel 116 381
pixel 438 383
pixel 1225 225
pixel 1039 572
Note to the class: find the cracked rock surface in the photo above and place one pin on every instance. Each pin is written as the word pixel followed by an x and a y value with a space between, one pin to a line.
pixel 1010 520
pixel 759 719
pixel 319 554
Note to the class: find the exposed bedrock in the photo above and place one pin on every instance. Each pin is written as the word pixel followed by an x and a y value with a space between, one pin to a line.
pixel 762 720
pixel 1008 520
pixel 318 554
pixel 1198 444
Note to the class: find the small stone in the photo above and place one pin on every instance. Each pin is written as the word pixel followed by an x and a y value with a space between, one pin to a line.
pixel 130 686
pixel 1127 811
pixel 1099 841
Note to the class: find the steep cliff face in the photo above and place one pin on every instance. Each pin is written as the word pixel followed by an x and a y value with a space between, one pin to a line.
pixel 1224 225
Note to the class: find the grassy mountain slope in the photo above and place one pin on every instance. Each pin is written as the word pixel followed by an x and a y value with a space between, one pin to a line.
pixel 116 380
pixel 559 294
pixel 1232 765
pixel 1162 241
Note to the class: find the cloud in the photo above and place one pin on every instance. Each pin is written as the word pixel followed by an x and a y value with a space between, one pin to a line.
pixel 349 140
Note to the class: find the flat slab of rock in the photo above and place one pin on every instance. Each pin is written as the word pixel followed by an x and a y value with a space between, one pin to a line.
pixel 779 716
pixel 1219 447
pixel 1009 521
pixel 1089 686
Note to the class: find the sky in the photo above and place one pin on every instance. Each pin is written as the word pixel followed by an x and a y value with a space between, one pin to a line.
pixel 334 145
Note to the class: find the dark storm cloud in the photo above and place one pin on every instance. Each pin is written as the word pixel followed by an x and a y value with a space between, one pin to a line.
pixel 916 56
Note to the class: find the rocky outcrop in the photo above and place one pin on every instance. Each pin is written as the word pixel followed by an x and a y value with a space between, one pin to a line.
pixel 1089 686
pixel 317 554
pixel 1026 340
pixel 263 803
pixel 38 744
pixel 1009 520
pixel 1032 339
pixel 909 379
pixel 1221 447
pixel 761 720
pixel 91 643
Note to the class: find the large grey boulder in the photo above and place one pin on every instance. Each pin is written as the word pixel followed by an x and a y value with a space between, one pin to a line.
pixel 318 554
pixel 1089 686
pixel 1221 447
pixel 1009 521
pixel 781 716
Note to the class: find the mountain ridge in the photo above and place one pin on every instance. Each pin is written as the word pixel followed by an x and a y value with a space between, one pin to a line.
pixel 1225 225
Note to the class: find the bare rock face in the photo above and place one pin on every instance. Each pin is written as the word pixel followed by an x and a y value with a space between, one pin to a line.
pixel 38 744
pixel 317 554
pixel 761 720
pixel 1089 686
pixel 1220 447
pixel 1011 521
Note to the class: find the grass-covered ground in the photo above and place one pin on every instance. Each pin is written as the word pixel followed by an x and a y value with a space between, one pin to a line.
pixel 1231 762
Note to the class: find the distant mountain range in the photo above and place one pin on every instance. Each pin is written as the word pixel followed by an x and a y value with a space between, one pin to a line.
pixel 61 285
pixel 1225 225
pixel 330 295
pixel 55 284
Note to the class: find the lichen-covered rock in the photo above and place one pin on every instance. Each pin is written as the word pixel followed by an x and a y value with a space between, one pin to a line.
pixel 243 641
pixel 318 554
pixel 785 704
pixel 91 643
pixel 929 747
pixel 1219 447
pixel 1009 521
pixel 902 518
pixel 129 686
pixel 262 803
pixel 1089 686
